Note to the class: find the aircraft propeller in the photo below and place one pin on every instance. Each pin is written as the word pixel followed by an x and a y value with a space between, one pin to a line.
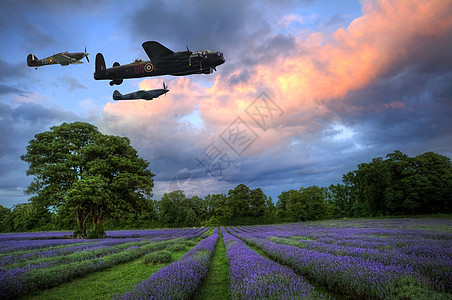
pixel 189 56
pixel 165 87
pixel 86 55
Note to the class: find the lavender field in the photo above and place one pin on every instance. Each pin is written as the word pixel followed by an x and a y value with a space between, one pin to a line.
pixel 340 259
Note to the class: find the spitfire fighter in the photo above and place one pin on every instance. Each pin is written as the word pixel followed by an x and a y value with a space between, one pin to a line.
pixel 145 95
pixel 63 58
pixel 162 61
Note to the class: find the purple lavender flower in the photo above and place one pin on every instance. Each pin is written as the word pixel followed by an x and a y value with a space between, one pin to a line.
pixel 255 277
pixel 178 280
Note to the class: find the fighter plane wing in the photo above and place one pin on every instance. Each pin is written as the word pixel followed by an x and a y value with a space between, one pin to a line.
pixel 144 95
pixel 64 60
pixel 156 51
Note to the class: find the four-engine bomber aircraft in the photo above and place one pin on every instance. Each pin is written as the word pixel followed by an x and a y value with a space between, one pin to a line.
pixel 163 61
pixel 145 95
pixel 63 58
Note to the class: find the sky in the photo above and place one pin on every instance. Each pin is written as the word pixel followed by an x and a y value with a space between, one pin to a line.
pixel 310 88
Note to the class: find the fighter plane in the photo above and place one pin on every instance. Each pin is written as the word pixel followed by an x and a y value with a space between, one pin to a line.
pixel 63 58
pixel 145 95
pixel 162 61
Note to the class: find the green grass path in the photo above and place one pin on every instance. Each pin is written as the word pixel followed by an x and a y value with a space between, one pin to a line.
pixel 216 283
pixel 105 284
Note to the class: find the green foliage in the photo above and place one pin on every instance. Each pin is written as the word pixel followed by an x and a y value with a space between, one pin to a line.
pixel 216 283
pixel 6 219
pixel 112 280
pixel 399 185
pixel 87 180
pixel 176 247
pixel 158 257
pixel 93 176
pixel 96 233
pixel 190 243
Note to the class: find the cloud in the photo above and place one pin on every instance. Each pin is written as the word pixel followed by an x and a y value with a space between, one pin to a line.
pixel 71 83
pixel 358 92
pixel 15 22
pixel 19 122
pixel 9 74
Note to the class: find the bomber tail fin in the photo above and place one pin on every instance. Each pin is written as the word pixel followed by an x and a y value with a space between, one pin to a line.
pixel 32 60
pixel 100 64
pixel 117 95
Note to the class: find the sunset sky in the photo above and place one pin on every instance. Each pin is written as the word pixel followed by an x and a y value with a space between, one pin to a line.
pixel 310 89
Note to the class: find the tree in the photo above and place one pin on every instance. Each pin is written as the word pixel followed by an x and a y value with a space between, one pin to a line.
pixel 173 209
pixel 190 218
pixel 420 184
pixel 239 201
pixel 314 199
pixel 340 198
pixel 6 219
pixel 258 201
pixel 296 206
pixel 95 176
pixel 281 205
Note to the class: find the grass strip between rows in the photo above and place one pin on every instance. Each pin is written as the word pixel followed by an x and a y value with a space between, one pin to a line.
pixel 45 278
pixel 105 284
pixel 216 283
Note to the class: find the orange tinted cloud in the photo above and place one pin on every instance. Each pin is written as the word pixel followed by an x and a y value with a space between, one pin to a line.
pixel 323 68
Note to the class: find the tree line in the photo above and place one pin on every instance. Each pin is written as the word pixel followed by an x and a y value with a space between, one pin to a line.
pixel 88 182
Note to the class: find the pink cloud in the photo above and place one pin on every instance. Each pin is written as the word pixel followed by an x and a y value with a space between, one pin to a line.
pixel 326 69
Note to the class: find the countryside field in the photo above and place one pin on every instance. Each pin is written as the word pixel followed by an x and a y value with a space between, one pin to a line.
pixel 334 259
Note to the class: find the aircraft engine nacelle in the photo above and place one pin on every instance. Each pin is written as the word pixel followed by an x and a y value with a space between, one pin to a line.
pixel 207 71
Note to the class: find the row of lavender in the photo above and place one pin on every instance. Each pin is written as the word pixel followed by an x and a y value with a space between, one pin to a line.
pixel 40 264
pixel 361 261
pixel 180 279
pixel 252 276
pixel 428 253
pixel 59 235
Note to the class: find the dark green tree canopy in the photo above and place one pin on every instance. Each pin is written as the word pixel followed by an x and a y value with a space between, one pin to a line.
pixel 84 177
pixel 96 176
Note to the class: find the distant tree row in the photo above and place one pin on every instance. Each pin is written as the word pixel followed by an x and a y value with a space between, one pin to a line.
pixel 87 181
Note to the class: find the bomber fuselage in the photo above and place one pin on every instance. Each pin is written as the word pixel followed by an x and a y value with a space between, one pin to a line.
pixel 178 65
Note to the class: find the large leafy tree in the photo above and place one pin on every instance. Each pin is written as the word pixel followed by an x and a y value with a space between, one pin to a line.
pixel 95 176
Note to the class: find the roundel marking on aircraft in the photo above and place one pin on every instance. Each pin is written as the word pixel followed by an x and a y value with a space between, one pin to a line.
pixel 51 60
pixel 149 67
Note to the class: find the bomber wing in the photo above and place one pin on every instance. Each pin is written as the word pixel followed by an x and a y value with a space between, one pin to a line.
pixel 156 51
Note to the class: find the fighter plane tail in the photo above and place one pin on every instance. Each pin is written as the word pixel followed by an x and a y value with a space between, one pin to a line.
pixel 117 95
pixel 100 63
pixel 32 60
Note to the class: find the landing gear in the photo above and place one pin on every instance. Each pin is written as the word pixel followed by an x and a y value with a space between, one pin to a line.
pixel 117 81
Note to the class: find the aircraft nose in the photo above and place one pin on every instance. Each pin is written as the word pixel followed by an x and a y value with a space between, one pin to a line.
pixel 221 58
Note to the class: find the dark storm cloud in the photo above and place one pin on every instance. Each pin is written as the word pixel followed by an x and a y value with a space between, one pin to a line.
pixel 425 55
pixel 15 23
pixel 408 111
pixel 18 125
pixel 200 24
pixel 240 29
pixel 11 71
pixel 10 76
pixel 51 6
pixel 8 89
